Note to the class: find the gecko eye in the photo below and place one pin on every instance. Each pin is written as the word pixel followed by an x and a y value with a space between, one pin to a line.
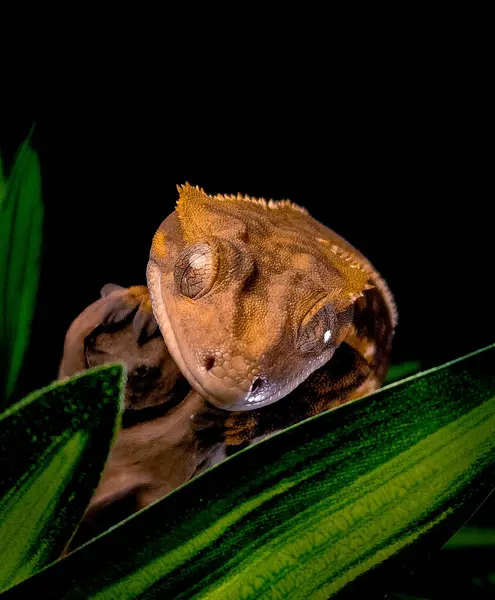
pixel 317 330
pixel 195 270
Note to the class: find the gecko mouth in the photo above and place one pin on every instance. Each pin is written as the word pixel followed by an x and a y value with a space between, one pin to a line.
pixel 155 290
pixel 231 400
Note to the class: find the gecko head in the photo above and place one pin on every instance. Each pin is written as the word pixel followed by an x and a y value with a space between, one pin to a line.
pixel 249 295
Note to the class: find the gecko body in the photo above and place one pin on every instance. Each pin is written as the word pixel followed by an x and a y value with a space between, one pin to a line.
pixel 252 297
pixel 267 317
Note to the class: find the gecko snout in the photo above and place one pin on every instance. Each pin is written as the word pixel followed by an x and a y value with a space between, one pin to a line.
pixel 230 380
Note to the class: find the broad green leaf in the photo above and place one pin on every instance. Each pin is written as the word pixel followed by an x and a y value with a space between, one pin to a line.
pixel 2 182
pixel 21 222
pixel 464 566
pixel 53 447
pixel 403 370
pixel 462 569
pixel 312 512
pixel 476 537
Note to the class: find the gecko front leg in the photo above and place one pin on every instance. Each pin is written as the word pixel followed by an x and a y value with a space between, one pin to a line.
pixel 121 327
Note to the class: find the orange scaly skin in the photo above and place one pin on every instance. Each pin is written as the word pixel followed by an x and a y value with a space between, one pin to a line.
pixel 270 316
pixel 259 304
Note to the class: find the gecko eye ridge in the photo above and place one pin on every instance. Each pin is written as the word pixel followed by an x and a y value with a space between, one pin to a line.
pixel 317 333
pixel 195 270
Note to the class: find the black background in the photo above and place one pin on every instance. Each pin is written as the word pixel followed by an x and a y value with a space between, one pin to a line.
pixel 405 178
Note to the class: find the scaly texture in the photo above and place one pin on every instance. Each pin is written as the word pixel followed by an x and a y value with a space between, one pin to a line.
pixel 254 296
pixel 266 312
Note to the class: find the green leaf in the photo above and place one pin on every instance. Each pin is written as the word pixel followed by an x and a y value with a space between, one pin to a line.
pixel 463 567
pixel 21 222
pixel 476 537
pixel 2 182
pixel 53 448
pixel 405 369
pixel 312 512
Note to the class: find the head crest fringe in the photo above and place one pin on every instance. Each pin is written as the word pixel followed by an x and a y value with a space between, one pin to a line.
pixel 266 204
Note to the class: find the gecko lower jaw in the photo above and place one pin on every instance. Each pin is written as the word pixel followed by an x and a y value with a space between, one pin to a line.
pixel 251 404
pixel 234 398
pixel 235 406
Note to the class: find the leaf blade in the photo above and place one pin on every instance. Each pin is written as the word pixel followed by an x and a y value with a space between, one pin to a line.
pixel 24 558
pixel 21 223
pixel 2 182
pixel 45 464
pixel 402 370
pixel 307 512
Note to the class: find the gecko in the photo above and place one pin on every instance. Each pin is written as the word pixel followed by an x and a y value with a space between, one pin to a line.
pixel 255 317
pixel 268 313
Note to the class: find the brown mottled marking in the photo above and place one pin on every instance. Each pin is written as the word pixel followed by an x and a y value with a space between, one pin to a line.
pixel 273 286
pixel 270 316
pixel 120 326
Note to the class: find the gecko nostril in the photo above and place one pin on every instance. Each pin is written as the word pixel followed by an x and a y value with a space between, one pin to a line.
pixel 255 385
pixel 209 362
